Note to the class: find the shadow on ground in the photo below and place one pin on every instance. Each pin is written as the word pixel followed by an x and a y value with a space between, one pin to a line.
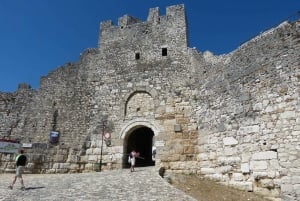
pixel 33 188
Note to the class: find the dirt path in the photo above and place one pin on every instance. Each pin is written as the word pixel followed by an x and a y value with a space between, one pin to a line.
pixel 204 190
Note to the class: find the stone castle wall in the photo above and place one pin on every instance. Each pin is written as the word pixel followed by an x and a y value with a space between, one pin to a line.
pixel 249 113
pixel 233 118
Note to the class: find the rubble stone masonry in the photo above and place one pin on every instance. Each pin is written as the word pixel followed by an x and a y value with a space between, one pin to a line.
pixel 233 118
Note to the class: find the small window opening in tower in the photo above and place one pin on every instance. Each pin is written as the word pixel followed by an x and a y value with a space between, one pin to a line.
pixel 137 56
pixel 164 51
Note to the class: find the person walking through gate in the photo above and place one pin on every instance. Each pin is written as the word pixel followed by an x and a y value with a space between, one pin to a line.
pixel 133 156
pixel 21 161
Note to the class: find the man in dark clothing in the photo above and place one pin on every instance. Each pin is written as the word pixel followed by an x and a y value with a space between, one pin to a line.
pixel 21 161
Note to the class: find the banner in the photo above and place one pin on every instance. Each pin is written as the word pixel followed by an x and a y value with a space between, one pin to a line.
pixel 9 147
pixel 54 136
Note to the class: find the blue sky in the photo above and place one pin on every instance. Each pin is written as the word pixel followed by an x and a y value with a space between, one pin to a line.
pixel 38 36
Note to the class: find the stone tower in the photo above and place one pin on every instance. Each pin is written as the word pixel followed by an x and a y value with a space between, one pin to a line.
pixel 232 118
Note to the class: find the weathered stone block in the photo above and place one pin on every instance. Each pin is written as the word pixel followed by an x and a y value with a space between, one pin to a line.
pixel 207 170
pixel 267 183
pixel 228 160
pixel 93 158
pixel 170 122
pixel 177 128
pixel 258 165
pixel 217 177
pixel 246 157
pixel 295 179
pixel 229 141
pixel 170 109
pixel 245 168
pixel 182 120
pixel 266 155
pixel 288 114
pixel 212 156
pixel 237 176
pixel 97 151
pixel 89 151
pixel 202 157
pixel 272 173
pixel 59 158
pixel 246 186
pixel 224 169
pixel 213 140
pixel 230 151
pixel 174 157
pixel 248 129
pixel 297 189
pixel 258 107
pixel 188 150
pixel 287 188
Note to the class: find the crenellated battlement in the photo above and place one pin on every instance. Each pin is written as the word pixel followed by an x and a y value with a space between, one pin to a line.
pixel 128 20
pixel 147 37
pixel 172 12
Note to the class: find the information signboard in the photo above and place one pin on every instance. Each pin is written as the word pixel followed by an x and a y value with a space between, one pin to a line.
pixel 9 146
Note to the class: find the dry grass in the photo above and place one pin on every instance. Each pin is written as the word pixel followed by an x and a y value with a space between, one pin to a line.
pixel 205 190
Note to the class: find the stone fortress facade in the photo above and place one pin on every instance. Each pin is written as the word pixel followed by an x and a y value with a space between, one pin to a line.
pixel 233 118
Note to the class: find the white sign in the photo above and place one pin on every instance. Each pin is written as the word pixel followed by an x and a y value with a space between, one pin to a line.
pixel 160 143
pixel 27 145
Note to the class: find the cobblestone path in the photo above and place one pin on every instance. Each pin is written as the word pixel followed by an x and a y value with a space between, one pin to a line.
pixel 118 185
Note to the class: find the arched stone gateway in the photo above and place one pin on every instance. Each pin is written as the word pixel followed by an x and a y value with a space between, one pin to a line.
pixel 140 140
pixel 140 136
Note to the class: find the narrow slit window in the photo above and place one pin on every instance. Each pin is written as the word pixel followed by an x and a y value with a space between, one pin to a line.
pixel 164 51
pixel 137 56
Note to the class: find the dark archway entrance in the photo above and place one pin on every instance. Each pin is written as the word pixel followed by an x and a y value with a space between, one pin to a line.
pixel 141 140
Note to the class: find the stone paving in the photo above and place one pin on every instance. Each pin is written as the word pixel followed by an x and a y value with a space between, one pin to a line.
pixel 118 185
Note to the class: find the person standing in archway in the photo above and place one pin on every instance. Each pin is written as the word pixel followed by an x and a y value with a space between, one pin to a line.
pixel 133 156
pixel 153 153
